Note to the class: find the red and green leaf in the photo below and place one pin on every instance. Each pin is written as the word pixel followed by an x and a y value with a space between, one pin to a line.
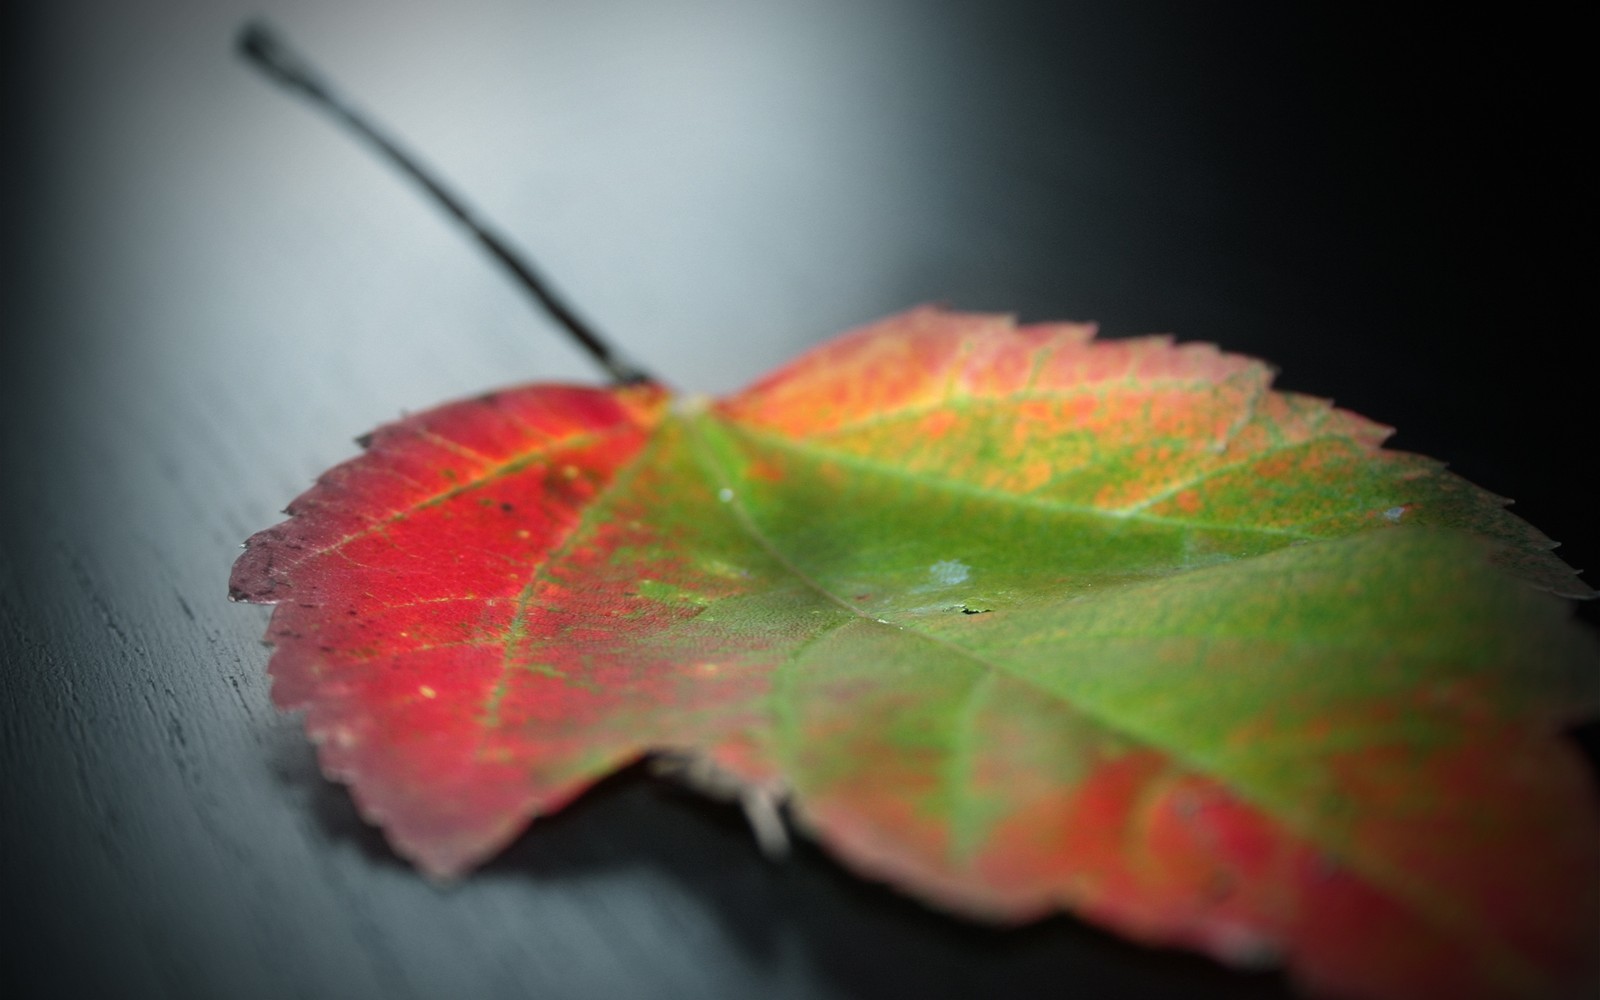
pixel 1017 620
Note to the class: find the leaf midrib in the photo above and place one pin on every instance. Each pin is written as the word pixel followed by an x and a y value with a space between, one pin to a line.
pixel 720 478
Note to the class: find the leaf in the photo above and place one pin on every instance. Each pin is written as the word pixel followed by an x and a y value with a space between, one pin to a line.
pixel 1019 620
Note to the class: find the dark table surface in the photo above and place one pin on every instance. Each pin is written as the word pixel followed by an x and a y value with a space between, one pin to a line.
pixel 209 293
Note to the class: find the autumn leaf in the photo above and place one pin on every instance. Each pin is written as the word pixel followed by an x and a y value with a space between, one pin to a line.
pixel 1014 619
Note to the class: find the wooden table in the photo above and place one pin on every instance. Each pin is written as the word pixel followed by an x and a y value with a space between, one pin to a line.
pixel 210 293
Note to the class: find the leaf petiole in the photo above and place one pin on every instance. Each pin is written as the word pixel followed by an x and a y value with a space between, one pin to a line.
pixel 268 52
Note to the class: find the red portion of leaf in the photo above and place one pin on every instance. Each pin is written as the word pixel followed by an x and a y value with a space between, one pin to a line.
pixel 397 577
pixel 1170 857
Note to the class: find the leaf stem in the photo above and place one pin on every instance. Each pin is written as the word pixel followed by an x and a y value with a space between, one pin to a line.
pixel 268 52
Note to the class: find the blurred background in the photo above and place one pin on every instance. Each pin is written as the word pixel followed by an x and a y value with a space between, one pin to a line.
pixel 209 291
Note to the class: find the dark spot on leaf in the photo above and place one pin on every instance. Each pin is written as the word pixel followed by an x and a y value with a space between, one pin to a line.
pixel 1186 804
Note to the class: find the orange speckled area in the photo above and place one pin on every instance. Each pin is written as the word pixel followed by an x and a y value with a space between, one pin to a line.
pixel 1137 427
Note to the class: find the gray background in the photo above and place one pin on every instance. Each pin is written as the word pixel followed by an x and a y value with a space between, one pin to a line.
pixel 209 292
